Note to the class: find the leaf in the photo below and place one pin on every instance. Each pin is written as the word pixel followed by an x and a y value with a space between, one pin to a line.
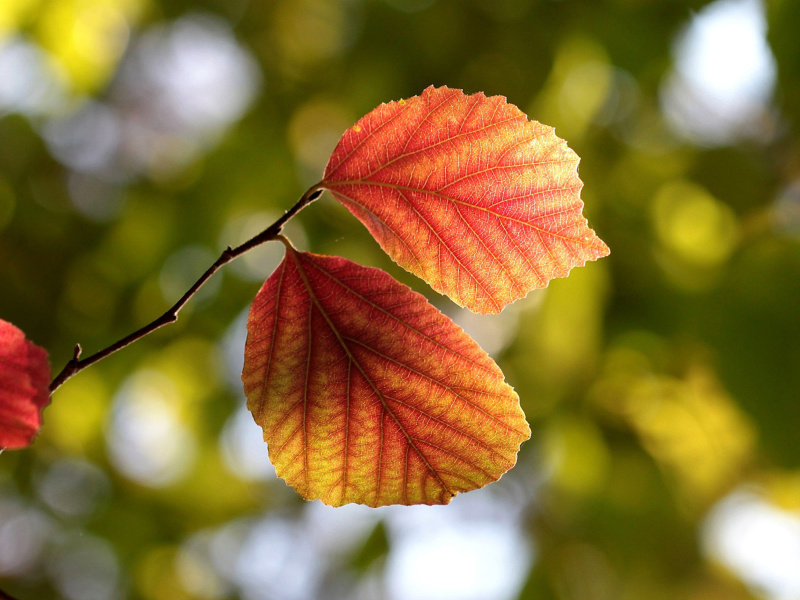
pixel 367 393
pixel 24 381
pixel 374 549
pixel 466 193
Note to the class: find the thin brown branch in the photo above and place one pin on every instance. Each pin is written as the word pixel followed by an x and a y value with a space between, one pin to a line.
pixel 5 596
pixel 76 364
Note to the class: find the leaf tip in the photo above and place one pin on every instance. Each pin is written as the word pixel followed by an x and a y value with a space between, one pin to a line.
pixel 604 249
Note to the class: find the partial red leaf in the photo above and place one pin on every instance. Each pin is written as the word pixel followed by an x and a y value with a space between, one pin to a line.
pixel 24 381
pixel 366 393
pixel 466 193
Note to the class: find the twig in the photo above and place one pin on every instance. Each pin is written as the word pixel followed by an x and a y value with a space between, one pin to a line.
pixel 4 596
pixel 76 365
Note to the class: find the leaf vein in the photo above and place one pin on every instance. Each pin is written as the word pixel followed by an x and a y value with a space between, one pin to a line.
pixel 362 370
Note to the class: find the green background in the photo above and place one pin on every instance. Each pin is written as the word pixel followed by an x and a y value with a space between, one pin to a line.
pixel 658 381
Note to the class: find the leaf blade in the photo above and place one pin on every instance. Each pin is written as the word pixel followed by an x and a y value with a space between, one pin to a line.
pixel 466 193
pixel 24 381
pixel 366 393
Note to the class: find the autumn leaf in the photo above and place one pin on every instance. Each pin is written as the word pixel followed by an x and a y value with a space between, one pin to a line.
pixel 24 380
pixel 466 193
pixel 366 393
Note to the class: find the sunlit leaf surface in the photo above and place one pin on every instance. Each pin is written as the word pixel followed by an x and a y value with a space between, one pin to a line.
pixel 24 380
pixel 367 393
pixel 467 193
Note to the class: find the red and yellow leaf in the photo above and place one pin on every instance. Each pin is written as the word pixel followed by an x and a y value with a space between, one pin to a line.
pixel 366 393
pixel 24 381
pixel 466 193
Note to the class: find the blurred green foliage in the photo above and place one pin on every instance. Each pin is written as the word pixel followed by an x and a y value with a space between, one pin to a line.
pixel 657 381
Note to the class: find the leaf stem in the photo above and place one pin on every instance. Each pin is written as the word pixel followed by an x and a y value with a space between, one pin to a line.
pixel 273 232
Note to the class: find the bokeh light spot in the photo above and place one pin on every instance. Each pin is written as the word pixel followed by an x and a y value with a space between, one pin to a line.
pixel 146 437
pixel 694 225
pixel 758 542
pixel 724 75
